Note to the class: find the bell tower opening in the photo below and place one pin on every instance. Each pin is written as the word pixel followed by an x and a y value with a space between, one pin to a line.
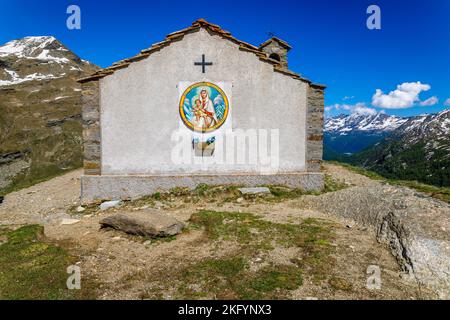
pixel 275 56
pixel 276 49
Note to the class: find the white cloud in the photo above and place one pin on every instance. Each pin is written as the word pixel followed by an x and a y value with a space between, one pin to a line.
pixel 359 108
pixel 338 106
pixel 429 102
pixel 447 102
pixel 348 98
pixel 403 97
pixel 346 107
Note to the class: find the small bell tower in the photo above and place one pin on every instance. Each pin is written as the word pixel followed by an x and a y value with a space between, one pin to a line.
pixel 276 49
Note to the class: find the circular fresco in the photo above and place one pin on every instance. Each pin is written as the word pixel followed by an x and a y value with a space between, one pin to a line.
pixel 204 107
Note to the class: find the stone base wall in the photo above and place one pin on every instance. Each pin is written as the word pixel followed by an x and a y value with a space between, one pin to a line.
pixel 97 188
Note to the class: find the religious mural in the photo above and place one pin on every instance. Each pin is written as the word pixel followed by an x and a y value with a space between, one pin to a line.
pixel 204 107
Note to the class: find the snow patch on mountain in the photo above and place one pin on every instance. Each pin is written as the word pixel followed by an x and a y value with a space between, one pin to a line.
pixel 15 79
pixel 381 122
pixel 433 125
pixel 24 47
pixel 46 56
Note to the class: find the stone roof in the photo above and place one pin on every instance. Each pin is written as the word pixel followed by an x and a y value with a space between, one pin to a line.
pixel 178 35
pixel 281 42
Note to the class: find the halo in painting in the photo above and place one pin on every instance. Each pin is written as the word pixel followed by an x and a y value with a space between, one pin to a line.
pixel 204 107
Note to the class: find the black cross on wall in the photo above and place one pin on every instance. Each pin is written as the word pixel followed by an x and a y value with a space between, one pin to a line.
pixel 203 64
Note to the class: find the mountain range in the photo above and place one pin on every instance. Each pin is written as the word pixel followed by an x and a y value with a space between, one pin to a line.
pixel 348 134
pixel 414 148
pixel 40 110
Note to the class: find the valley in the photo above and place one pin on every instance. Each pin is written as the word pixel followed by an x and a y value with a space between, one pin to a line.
pixel 415 148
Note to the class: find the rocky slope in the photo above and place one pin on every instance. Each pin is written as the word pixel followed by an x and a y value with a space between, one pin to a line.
pixel 417 150
pixel 40 110
pixel 348 134
pixel 414 226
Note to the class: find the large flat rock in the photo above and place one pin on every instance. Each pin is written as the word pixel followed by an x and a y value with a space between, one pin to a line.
pixel 149 223
pixel 416 227
pixel 256 190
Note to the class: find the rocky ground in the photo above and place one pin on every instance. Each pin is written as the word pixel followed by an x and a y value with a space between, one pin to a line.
pixel 286 245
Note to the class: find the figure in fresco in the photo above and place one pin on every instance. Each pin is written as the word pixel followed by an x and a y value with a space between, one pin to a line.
pixel 198 114
pixel 210 118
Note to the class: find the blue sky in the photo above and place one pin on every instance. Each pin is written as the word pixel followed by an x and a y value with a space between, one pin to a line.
pixel 330 41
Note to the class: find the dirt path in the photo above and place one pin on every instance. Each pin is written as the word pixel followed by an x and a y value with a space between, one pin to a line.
pixel 342 174
pixel 42 201
pixel 123 264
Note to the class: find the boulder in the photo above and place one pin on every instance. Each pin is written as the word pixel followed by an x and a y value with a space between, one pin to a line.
pixel 414 226
pixel 258 190
pixel 110 204
pixel 148 223
pixel 66 222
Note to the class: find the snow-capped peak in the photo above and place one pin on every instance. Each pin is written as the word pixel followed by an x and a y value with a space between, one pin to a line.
pixel 380 122
pixel 41 48
pixel 36 59
pixel 27 44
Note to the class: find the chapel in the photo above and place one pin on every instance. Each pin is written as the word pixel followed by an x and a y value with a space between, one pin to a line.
pixel 200 107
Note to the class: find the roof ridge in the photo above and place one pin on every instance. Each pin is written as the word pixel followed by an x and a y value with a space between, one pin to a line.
pixel 281 41
pixel 178 35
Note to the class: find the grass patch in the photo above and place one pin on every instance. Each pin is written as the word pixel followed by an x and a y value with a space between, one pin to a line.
pixel 232 277
pixel 272 278
pixel 162 239
pixel 340 284
pixel 222 194
pixel 245 228
pixel 441 193
pixel 31 268
pixel 210 268
pixel 282 192
pixel 332 185
pixel 202 192
pixel 88 209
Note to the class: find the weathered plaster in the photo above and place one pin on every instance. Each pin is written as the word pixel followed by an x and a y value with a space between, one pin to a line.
pixel 140 105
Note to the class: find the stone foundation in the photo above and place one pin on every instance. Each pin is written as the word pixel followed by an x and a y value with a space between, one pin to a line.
pixel 96 188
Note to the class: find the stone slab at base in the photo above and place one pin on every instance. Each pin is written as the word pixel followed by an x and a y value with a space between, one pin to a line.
pixel 95 188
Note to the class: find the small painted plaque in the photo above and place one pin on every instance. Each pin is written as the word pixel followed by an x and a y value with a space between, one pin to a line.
pixel 204 107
